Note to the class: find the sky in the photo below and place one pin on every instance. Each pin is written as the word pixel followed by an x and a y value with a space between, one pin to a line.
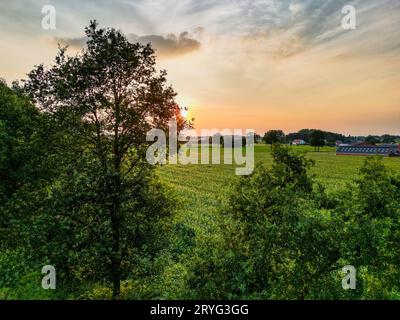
pixel 240 64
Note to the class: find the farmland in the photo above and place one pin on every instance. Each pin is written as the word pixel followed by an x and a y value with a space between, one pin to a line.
pixel 202 187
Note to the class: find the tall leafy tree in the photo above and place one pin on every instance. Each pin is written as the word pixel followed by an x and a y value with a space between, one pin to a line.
pixel 274 136
pixel 108 98
pixel 372 140
pixel 317 139
pixel 19 121
pixel 387 138
pixel 26 168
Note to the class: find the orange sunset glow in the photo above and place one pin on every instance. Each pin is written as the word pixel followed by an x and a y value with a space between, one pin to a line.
pixel 237 64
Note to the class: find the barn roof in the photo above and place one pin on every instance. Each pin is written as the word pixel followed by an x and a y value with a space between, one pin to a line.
pixel 386 150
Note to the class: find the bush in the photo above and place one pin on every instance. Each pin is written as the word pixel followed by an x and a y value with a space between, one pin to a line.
pixel 285 238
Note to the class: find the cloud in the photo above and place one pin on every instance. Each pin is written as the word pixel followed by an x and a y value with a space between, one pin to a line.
pixel 275 44
pixel 166 46
pixel 289 47
pixel 170 45
pixel 295 8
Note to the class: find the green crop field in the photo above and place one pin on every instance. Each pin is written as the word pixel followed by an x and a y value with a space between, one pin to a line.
pixel 201 187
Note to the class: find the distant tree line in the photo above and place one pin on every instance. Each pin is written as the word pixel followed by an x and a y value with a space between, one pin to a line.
pixel 314 137
pixel 319 138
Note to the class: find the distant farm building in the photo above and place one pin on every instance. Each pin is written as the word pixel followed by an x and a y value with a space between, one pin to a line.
pixel 391 150
pixel 298 142
pixel 362 143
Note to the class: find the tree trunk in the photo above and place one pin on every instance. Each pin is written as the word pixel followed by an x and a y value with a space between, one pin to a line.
pixel 115 257
pixel 116 205
pixel 116 263
pixel 116 227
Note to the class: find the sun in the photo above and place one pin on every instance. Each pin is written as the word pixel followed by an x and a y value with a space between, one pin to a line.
pixel 184 113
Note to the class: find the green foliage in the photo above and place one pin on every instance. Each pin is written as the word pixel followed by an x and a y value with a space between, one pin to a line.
pixel 372 140
pixel 305 134
pixel 317 139
pixel 274 136
pixel 19 121
pixel 286 238
pixel 78 192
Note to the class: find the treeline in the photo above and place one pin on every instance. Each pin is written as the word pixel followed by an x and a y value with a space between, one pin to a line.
pixel 330 137
pixel 325 138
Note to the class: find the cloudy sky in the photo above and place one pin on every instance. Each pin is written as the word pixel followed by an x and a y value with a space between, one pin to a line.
pixel 262 64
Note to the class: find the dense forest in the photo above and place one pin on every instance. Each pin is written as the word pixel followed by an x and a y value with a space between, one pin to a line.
pixel 77 193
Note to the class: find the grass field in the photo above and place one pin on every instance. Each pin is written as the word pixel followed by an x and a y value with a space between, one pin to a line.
pixel 202 186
